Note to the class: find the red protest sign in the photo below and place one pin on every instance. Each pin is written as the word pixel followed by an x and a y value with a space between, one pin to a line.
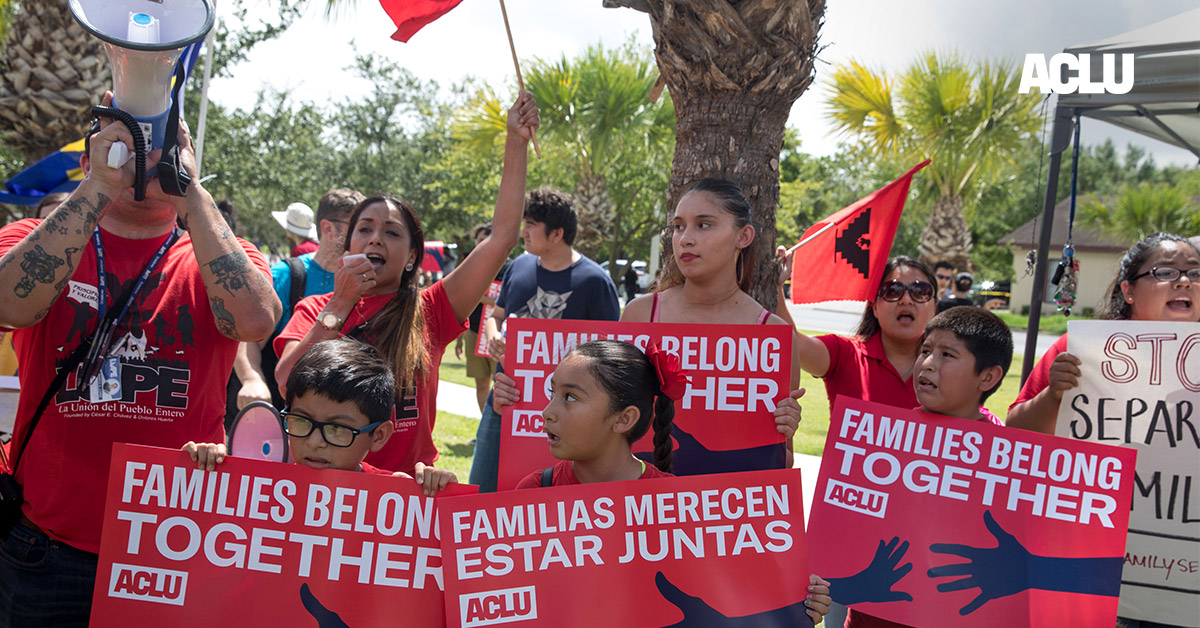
pixel 725 421
pixel 481 349
pixel 629 554
pixel 263 543
pixel 936 521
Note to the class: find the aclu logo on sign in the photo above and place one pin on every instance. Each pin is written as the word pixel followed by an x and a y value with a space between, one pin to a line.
pixel 503 606
pixel 856 498
pixel 148 584
pixel 1053 76
pixel 528 423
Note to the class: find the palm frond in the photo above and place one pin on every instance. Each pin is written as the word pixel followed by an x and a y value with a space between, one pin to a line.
pixel 861 106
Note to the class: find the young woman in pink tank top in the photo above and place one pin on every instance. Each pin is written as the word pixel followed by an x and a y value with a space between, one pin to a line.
pixel 711 234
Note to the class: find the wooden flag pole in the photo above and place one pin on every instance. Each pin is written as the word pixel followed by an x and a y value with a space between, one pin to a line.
pixel 520 82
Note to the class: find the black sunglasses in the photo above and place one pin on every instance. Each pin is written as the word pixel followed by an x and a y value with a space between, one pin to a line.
pixel 894 290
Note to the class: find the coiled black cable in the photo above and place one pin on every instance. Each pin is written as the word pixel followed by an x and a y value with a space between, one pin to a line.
pixel 139 146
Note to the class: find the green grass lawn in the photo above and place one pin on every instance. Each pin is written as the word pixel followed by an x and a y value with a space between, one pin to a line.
pixel 453 433
pixel 1051 323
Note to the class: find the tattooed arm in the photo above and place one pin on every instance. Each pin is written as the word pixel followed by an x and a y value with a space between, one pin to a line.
pixel 240 294
pixel 35 270
pixel 241 297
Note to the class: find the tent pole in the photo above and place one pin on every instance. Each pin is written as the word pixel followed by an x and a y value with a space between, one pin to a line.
pixel 1060 138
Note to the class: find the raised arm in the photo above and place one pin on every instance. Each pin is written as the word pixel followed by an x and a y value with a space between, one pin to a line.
pixel 240 294
pixel 468 283
pixel 35 270
pixel 1036 408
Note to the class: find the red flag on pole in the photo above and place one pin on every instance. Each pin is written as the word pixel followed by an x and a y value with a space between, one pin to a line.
pixel 411 16
pixel 841 258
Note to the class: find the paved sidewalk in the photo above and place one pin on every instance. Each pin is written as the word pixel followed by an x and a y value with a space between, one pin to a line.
pixel 810 467
pixel 457 399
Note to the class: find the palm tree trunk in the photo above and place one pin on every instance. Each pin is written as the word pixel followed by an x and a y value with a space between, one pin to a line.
pixel 945 236
pixel 595 212
pixel 738 137
pixel 54 72
pixel 734 68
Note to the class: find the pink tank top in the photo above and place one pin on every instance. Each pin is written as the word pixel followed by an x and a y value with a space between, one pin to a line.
pixel 762 316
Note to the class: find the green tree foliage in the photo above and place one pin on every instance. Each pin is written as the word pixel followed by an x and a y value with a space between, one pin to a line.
pixel 1139 210
pixel 967 118
pixel 601 139
pixel 265 158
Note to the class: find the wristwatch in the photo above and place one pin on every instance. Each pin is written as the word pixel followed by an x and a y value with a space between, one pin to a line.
pixel 330 321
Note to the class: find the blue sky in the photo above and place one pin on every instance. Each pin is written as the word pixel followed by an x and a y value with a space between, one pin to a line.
pixel 470 41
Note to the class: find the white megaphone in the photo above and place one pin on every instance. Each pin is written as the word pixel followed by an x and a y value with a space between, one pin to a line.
pixel 143 39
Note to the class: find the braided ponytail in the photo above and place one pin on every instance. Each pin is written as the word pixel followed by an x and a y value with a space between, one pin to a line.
pixel 664 417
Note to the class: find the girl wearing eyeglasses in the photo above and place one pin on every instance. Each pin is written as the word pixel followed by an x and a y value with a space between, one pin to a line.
pixel 1159 280
pixel 877 365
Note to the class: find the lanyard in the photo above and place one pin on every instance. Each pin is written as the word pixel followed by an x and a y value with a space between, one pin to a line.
pixel 102 281
pixel 104 329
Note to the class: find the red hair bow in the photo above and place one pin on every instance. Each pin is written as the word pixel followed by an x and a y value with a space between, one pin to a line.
pixel 672 381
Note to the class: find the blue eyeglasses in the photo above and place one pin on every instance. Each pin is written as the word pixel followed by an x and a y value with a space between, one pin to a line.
pixel 335 434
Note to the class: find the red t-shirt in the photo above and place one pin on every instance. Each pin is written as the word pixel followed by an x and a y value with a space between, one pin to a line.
pixel 366 468
pixel 307 246
pixel 564 475
pixel 412 441
pixel 860 369
pixel 1039 377
pixel 174 367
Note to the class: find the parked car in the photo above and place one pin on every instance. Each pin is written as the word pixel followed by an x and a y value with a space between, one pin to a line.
pixel 639 267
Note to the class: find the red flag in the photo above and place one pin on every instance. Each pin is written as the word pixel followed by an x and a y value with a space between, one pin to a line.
pixel 841 258
pixel 411 16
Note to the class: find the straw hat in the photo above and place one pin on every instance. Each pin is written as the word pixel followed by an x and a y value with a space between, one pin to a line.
pixel 297 219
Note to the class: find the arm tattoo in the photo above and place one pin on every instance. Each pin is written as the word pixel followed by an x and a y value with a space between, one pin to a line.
pixel 40 315
pixel 70 270
pixel 83 207
pixel 232 271
pixel 223 318
pixel 39 267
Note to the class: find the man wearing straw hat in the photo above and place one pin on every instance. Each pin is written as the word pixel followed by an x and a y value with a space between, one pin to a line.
pixel 297 220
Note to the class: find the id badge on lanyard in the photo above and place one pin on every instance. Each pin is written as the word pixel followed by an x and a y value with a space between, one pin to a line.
pixel 103 371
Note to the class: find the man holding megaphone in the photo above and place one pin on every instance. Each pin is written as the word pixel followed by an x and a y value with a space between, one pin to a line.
pixel 166 292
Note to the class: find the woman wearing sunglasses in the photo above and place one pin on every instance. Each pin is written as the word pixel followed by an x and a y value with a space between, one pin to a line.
pixel 877 365
pixel 1159 280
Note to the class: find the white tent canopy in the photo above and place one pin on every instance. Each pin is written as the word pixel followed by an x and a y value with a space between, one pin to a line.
pixel 1165 100
pixel 1164 103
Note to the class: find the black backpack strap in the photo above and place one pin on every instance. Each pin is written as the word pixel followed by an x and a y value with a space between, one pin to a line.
pixel 299 278
pixel 548 476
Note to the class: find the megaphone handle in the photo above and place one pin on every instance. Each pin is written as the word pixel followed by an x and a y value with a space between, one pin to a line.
pixel 139 146
pixel 118 155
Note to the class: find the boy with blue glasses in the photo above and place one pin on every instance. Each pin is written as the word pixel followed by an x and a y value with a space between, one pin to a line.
pixel 340 399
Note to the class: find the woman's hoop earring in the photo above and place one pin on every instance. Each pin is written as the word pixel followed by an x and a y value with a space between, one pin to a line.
pixel 408 267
